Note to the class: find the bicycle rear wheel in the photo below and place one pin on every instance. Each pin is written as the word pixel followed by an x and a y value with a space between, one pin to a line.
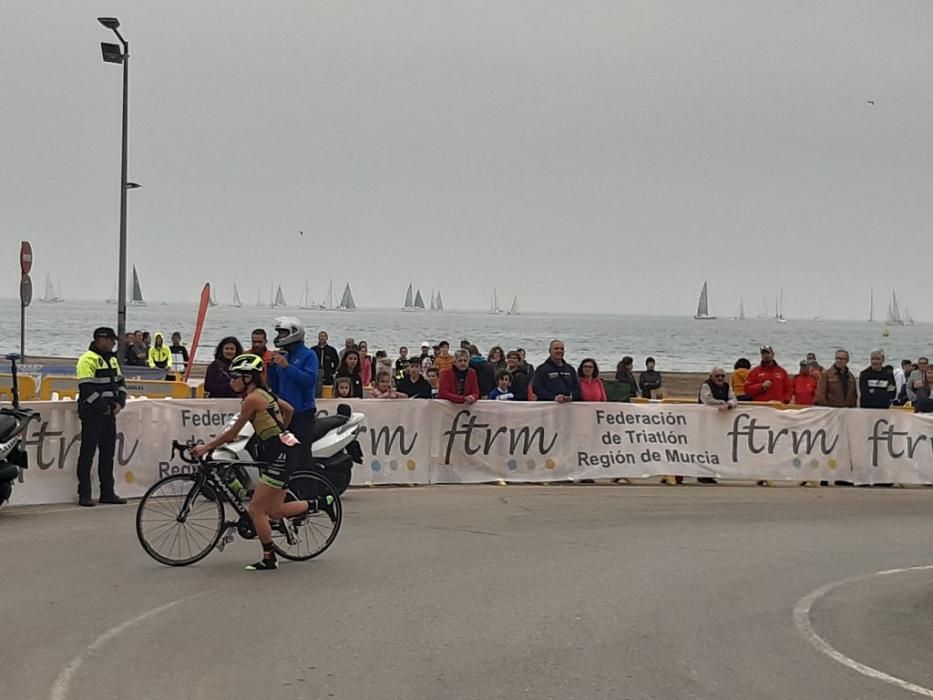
pixel 316 530
pixel 171 537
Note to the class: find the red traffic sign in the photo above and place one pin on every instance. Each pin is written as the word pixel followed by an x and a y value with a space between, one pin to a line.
pixel 25 291
pixel 25 258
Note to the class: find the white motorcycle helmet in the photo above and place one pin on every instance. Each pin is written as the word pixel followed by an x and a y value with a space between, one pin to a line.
pixel 295 331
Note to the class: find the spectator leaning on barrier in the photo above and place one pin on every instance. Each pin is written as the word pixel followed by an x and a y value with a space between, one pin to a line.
pixel 433 376
pixel 521 379
pixel 591 386
pixel 837 386
pixel 383 388
pixel 716 391
pixel 900 382
pixel 923 394
pixel 917 378
pixel 413 384
pixel 877 388
pixel 458 383
pixel 649 381
pixel 555 380
pixel 503 390
pixel 804 386
pixel 768 381
pixel 485 372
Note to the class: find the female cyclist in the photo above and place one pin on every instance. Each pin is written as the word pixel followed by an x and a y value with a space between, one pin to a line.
pixel 269 417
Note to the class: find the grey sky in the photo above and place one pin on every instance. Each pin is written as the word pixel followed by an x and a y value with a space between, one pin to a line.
pixel 602 156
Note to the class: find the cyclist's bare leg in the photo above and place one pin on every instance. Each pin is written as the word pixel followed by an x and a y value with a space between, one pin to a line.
pixel 264 501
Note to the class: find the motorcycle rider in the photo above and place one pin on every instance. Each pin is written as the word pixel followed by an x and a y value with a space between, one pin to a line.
pixel 269 416
pixel 293 375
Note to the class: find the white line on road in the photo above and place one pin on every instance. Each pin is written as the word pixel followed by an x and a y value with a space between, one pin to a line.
pixel 60 687
pixel 805 627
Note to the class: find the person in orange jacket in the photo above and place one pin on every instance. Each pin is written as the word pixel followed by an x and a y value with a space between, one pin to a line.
pixel 804 385
pixel 768 381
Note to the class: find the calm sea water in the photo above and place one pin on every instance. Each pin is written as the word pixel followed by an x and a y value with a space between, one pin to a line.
pixel 678 344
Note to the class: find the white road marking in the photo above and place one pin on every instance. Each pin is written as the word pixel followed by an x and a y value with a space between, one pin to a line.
pixel 60 687
pixel 805 627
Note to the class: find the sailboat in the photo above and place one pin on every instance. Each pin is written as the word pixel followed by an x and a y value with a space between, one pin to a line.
pixel 212 301
pixel 51 297
pixel 908 319
pixel 137 298
pixel 494 304
pixel 346 301
pixel 513 309
pixel 439 305
pixel 433 305
pixel 328 304
pixel 871 307
pixel 409 299
pixel 419 301
pixel 236 298
pixel 779 308
pixel 741 316
pixel 894 313
pixel 702 313
pixel 307 301
pixel 112 299
pixel 279 298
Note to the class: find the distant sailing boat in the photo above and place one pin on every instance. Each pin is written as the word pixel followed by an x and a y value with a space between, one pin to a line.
pixel 236 298
pixel 741 316
pixel 137 298
pixel 279 298
pixel 51 297
pixel 307 301
pixel 419 301
pixel 409 299
pixel 494 304
pixel 328 304
pixel 908 319
pixel 871 307
pixel 779 309
pixel 433 305
pixel 212 301
pixel 702 313
pixel 513 309
pixel 439 305
pixel 112 299
pixel 346 301
pixel 894 313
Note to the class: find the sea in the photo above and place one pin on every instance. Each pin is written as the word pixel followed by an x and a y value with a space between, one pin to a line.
pixel 678 344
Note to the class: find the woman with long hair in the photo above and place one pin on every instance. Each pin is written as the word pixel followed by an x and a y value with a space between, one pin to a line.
pixel 366 364
pixel 350 368
pixel 591 386
pixel 496 358
pixel 625 378
pixel 216 381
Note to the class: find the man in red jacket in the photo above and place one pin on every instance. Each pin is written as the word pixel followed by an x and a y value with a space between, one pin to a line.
pixel 768 381
pixel 459 383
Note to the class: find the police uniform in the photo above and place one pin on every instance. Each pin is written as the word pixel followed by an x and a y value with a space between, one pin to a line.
pixel 101 391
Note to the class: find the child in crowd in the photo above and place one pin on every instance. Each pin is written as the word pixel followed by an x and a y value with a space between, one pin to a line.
pixel 383 388
pixel 433 373
pixel 502 392
pixel 343 388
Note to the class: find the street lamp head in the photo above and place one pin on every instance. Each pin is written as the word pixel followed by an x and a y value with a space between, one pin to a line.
pixel 109 22
pixel 133 185
pixel 112 53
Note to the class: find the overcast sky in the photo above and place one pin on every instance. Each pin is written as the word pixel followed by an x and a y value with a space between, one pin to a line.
pixel 601 156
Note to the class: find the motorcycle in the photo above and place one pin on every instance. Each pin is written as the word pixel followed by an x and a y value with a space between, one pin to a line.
pixel 13 424
pixel 334 448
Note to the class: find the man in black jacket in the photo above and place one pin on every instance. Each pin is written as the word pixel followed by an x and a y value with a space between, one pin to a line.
pixel 413 384
pixel 876 384
pixel 327 358
pixel 520 378
pixel 555 380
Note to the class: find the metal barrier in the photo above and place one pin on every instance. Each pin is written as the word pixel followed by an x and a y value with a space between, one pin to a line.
pixel 27 387
pixel 67 387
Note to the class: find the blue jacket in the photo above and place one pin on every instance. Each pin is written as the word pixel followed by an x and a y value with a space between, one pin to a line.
pixel 297 383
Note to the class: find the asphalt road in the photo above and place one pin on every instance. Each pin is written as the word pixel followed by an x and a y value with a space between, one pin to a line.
pixel 486 592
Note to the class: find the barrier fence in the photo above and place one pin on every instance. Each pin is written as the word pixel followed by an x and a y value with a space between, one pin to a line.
pixel 435 442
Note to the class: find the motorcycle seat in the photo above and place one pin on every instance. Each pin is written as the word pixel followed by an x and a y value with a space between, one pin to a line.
pixel 8 427
pixel 324 425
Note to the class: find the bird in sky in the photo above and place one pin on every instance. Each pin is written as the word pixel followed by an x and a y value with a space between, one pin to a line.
pixel 871 102
pixel 301 233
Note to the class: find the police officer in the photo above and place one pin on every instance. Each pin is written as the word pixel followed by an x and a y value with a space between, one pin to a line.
pixel 101 396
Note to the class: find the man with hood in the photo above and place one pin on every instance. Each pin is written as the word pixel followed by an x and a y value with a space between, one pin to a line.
pixel 160 355
pixel 293 376
pixel 485 373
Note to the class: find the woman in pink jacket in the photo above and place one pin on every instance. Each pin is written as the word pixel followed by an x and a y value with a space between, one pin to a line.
pixel 591 386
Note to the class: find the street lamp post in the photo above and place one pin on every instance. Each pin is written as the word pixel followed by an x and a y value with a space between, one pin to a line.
pixel 112 54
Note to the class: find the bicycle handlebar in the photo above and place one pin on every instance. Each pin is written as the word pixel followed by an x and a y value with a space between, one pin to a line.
pixel 184 451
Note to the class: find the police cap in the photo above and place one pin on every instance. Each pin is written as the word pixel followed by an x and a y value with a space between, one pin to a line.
pixel 105 332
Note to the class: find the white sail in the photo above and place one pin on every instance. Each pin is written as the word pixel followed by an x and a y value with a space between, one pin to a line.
pixel 211 300
pixel 433 305
pixel 279 297
pixel 741 309
pixel 494 304
pixel 137 298
pixel 908 319
pixel 346 300
pixel 440 303
pixel 236 297
pixel 50 296
pixel 702 313
pixel 329 299
pixel 409 297
pixel 419 301
pixel 894 313
pixel 513 309
pixel 780 308
pixel 307 301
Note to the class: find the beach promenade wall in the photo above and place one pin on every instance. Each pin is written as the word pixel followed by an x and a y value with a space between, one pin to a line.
pixel 435 442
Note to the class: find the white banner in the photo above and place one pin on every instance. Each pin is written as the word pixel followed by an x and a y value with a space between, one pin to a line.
pixel 421 442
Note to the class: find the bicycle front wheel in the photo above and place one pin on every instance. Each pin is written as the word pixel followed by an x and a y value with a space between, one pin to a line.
pixel 316 530
pixel 179 520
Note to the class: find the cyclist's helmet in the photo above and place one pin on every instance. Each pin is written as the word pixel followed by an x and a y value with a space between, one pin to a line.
pixel 294 331
pixel 245 364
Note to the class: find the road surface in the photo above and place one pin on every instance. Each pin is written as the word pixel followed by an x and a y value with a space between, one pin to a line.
pixel 578 592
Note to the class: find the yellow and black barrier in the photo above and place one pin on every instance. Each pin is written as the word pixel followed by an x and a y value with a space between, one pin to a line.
pixel 67 387
pixel 26 384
